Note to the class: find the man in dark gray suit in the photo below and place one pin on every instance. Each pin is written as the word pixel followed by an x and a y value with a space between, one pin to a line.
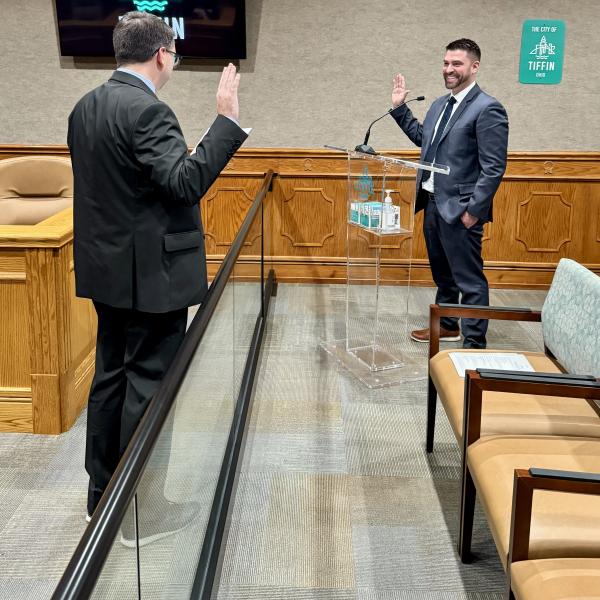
pixel 466 130
pixel 138 238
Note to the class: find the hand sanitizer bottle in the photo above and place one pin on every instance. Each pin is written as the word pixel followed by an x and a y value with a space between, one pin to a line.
pixel 388 220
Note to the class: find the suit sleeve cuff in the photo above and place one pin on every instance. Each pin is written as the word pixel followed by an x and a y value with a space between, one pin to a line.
pixel 398 111
pixel 478 211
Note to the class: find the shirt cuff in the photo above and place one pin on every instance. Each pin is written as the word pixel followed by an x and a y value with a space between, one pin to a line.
pixel 232 119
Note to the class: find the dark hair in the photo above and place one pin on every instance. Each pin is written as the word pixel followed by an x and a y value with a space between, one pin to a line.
pixel 468 45
pixel 138 35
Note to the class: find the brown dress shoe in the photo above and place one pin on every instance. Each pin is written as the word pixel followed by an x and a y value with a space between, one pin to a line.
pixel 446 335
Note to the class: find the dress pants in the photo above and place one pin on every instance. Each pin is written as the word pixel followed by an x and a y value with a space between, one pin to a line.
pixel 457 268
pixel 133 352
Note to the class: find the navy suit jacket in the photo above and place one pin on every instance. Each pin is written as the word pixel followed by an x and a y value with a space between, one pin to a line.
pixel 474 146
pixel 138 237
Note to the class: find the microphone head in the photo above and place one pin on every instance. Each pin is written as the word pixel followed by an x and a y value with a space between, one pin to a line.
pixel 419 98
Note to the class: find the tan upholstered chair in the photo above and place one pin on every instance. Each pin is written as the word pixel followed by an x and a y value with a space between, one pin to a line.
pixel 562 578
pixel 33 188
pixel 556 579
pixel 557 530
pixel 570 321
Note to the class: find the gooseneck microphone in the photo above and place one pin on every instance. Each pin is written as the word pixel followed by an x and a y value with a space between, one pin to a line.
pixel 364 147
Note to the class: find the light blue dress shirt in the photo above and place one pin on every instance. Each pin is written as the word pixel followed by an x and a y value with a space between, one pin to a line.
pixel 139 76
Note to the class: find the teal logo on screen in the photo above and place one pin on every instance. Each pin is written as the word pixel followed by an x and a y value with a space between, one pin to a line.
pixel 151 5
pixel 363 186
pixel 177 24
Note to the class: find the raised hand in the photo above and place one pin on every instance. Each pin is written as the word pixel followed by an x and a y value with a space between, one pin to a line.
pixel 227 93
pixel 399 91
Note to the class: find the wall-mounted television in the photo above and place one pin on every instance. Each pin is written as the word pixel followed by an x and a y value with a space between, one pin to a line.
pixel 203 28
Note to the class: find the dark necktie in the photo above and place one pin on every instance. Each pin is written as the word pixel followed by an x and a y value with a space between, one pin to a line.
pixel 431 151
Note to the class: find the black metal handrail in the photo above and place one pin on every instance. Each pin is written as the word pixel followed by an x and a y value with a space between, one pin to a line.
pixel 82 572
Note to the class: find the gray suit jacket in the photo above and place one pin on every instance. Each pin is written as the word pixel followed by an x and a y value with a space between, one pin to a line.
pixel 474 146
pixel 138 237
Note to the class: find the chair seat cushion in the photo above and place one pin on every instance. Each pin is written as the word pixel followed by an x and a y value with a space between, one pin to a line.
pixel 556 579
pixel 514 413
pixel 562 525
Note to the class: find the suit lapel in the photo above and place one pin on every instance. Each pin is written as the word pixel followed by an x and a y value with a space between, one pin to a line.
pixel 461 107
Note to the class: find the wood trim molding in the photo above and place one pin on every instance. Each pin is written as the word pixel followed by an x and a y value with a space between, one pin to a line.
pixel 54 232
pixel 540 165
pixel 20 393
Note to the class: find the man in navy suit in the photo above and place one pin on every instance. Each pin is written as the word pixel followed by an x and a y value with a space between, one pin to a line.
pixel 466 130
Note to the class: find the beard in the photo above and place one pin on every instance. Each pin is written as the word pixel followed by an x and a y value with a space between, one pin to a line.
pixel 455 82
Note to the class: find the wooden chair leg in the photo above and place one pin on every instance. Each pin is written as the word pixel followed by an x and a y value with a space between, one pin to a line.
pixel 431 406
pixel 467 510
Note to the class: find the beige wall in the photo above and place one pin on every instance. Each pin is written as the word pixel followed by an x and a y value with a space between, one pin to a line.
pixel 319 70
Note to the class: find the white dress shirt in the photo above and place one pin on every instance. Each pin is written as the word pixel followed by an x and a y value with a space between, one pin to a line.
pixel 428 185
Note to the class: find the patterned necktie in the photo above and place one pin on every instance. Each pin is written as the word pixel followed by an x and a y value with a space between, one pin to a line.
pixel 431 151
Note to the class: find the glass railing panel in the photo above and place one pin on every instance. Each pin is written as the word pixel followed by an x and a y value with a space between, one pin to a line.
pixel 247 293
pixel 119 576
pixel 183 491
pixel 175 494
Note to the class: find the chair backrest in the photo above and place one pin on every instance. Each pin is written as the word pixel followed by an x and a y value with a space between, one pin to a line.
pixel 33 188
pixel 571 318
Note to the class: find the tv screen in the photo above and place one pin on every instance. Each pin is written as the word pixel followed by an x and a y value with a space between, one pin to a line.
pixel 203 28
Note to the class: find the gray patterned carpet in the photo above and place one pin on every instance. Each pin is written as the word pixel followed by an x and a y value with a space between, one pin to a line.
pixel 336 497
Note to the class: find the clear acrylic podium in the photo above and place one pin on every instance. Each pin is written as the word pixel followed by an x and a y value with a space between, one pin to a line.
pixel 376 347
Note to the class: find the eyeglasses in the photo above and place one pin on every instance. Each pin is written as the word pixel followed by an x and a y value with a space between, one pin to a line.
pixel 177 58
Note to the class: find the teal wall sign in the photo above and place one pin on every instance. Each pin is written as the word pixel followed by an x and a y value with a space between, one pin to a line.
pixel 542 51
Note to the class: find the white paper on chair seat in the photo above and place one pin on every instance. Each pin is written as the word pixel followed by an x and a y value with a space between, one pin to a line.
pixel 489 360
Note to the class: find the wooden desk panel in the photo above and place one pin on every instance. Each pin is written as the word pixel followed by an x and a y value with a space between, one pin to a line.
pixel 48 336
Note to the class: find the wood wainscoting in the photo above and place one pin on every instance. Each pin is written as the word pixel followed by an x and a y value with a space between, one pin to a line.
pixel 547 208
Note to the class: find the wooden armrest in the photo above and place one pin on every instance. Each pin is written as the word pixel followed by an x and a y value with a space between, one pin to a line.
pixel 519 382
pixel 525 482
pixel 473 311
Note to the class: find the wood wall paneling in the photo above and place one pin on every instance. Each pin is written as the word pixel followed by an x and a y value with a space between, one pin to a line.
pixel 547 207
